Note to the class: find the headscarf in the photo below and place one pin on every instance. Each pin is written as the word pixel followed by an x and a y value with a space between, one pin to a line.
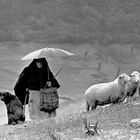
pixel 23 83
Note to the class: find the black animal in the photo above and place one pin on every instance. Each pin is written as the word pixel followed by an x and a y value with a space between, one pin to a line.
pixel 15 109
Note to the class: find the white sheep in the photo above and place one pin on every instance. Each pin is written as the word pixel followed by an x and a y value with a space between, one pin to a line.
pixel 133 85
pixel 106 93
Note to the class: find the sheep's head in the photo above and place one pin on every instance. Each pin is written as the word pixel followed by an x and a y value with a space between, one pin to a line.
pixel 123 78
pixel 135 76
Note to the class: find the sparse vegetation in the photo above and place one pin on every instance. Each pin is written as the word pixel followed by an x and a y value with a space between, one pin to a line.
pixel 105 37
pixel 112 122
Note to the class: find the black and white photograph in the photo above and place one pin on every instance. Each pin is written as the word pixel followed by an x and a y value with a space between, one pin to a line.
pixel 69 69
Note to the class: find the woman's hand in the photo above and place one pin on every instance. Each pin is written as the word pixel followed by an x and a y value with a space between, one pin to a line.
pixel 48 84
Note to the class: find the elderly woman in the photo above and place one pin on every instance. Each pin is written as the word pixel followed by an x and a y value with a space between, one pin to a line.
pixel 31 83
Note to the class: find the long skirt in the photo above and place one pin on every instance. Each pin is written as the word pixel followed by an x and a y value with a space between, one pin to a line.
pixel 34 107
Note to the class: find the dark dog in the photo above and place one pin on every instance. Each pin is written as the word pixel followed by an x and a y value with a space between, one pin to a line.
pixel 15 109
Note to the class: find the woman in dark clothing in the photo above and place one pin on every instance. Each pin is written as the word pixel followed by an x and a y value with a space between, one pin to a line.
pixel 33 79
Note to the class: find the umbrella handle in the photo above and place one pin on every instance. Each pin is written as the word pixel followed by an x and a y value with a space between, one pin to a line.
pixel 60 70
pixel 48 71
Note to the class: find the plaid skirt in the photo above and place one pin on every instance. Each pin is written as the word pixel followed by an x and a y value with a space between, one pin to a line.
pixel 49 100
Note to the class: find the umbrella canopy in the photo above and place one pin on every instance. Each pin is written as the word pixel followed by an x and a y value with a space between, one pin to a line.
pixel 47 52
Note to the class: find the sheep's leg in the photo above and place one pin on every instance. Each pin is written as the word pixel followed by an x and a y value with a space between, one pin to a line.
pixel 120 101
pixel 94 105
pixel 114 102
pixel 87 106
pixel 125 100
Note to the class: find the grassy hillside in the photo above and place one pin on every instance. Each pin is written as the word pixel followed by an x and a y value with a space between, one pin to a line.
pixel 113 124
pixel 81 71
pixel 103 34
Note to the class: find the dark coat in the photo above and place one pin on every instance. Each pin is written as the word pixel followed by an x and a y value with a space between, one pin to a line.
pixel 34 78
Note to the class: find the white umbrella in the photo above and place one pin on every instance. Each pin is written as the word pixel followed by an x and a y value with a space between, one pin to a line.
pixel 47 52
